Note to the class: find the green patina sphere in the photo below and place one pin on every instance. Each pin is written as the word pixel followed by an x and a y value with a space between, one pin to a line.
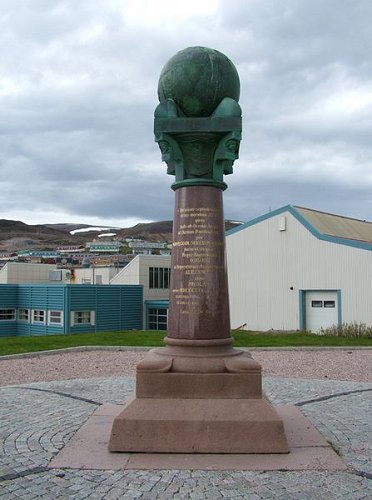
pixel 197 79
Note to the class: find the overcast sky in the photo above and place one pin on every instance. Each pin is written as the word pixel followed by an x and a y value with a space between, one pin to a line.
pixel 78 89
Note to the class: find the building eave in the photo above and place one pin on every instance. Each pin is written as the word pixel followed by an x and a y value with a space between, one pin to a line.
pixel 320 236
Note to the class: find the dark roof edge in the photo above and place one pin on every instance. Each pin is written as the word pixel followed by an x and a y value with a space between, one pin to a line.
pixel 292 210
pixel 333 215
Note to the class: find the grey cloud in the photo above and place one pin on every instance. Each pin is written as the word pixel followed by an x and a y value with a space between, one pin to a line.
pixel 78 91
pixel 244 202
pixel 121 198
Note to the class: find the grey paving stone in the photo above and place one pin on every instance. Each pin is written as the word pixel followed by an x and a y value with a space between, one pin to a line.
pixel 34 425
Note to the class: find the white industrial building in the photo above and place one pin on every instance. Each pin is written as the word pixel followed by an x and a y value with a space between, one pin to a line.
pixel 290 269
pixel 297 268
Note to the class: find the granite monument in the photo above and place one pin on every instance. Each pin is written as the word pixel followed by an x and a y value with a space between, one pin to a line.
pixel 198 394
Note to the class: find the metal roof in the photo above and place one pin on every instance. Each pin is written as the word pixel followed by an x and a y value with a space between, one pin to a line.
pixel 337 225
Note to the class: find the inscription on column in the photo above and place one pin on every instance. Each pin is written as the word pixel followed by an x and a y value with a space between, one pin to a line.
pixel 199 295
pixel 200 249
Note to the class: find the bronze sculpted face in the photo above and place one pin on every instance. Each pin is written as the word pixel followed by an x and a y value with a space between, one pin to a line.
pixel 198 155
pixel 165 150
pixel 232 147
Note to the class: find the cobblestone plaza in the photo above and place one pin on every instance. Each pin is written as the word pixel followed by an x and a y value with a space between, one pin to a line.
pixel 38 419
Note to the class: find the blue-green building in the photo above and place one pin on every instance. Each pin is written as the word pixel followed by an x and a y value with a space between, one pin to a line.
pixel 57 309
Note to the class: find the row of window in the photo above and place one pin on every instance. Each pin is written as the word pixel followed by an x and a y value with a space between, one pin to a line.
pixel 32 316
pixel 159 277
pixel 321 303
pixel 41 316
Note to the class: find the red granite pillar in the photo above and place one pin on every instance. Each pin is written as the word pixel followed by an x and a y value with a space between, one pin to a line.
pixel 199 305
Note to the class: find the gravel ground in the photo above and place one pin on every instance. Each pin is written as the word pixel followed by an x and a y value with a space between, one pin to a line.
pixel 332 364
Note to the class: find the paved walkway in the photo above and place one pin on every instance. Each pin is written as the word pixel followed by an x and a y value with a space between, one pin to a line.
pixel 37 420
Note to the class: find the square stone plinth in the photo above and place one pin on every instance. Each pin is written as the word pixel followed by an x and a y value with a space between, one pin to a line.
pixel 199 386
pixel 88 449
pixel 173 425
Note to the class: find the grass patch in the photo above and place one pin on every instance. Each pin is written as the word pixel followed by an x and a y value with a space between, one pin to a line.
pixel 295 339
pixel 353 329
pixel 136 338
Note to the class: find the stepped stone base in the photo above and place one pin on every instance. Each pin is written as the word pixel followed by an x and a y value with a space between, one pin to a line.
pixel 198 426
pixel 88 449
pixel 216 408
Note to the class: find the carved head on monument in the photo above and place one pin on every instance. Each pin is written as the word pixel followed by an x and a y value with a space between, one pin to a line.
pixel 198 121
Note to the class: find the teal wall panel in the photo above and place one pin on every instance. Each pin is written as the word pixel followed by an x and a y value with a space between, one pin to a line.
pixel 132 307
pixel 46 298
pixel 116 307
pixel 82 298
pixel 8 296
pixel 8 329
pixel 108 312
pixel 8 300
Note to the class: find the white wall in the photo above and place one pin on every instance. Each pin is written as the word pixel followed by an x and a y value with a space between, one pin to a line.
pixel 4 275
pixel 137 273
pixel 264 263
pixel 92 274
pixel 129 275
pixel 24 272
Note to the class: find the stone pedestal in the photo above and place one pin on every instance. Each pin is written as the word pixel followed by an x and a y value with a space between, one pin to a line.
pixel 198 426
pixel 198 394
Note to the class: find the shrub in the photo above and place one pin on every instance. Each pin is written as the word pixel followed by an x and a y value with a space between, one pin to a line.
pixel 347 330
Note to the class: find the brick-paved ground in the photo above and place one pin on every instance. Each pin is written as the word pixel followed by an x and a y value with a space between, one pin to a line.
pixel 37 420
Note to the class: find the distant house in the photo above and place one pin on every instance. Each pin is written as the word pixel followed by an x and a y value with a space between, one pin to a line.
pixel 38 256
pixel 56 309
pixel 297 268
pixel 140 247
pixel 68 249
pixel 104 246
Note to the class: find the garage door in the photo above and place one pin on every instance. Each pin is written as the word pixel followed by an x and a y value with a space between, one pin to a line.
pixel 321 309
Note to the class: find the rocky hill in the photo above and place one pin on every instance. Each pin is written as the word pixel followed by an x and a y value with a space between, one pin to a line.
pixel 157 231
pixel 152 231
pixel 16 235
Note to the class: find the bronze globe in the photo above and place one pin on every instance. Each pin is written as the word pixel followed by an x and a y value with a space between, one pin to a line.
pixel 197 79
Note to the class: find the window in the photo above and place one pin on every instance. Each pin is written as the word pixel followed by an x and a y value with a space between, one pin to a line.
pixel 320 303
pixel 159 277
pixel 82 318
pixel 316 303
pixel 329 303
pixel 55 317
pixel 157 318
pixel 38 316
pixel 55 275
pixel 24 315
pixel 7 314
